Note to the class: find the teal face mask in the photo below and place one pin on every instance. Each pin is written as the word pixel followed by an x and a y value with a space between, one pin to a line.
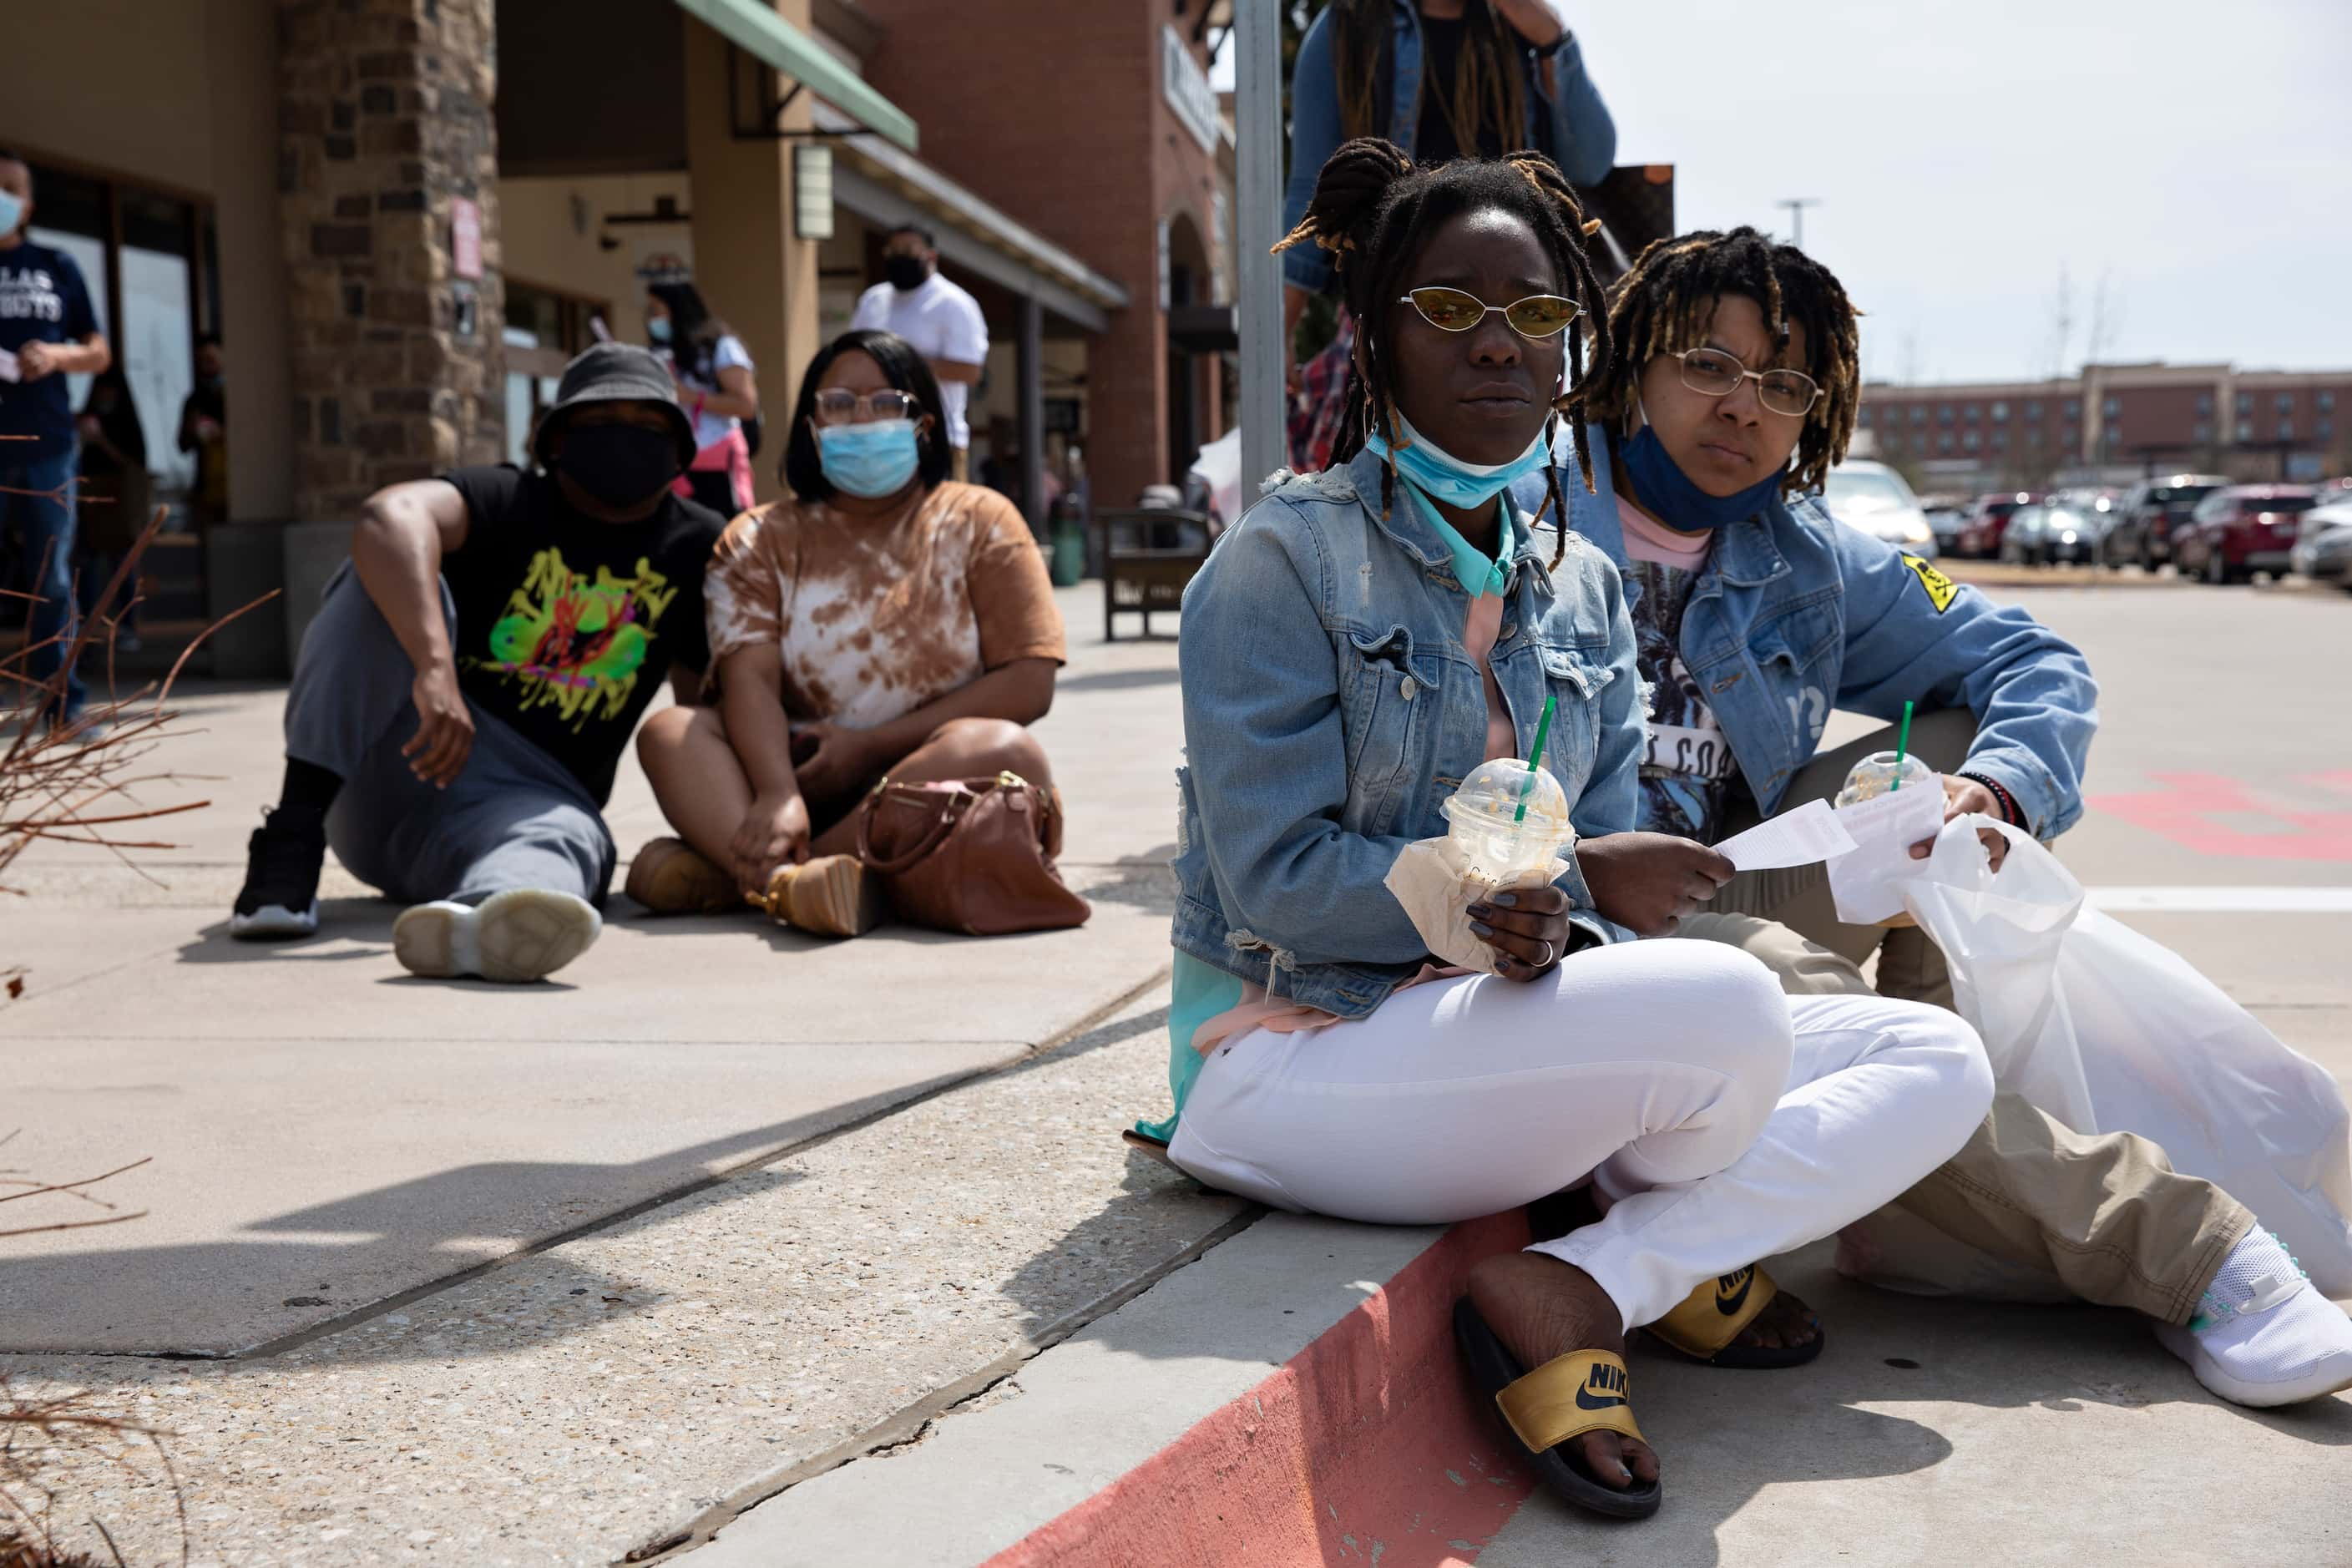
pixel 658 328
pixel 12 212
pixel 1441 475
pixel 870 460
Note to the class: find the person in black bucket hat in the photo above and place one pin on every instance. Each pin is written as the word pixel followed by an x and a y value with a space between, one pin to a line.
pixel 461 702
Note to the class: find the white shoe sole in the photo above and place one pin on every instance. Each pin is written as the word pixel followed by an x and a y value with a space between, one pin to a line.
pixel 273 922
pixel 2332 1375
pixel 522 935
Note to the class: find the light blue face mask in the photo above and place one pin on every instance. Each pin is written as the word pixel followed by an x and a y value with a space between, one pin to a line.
pixel 12 212
pixel 870 460
pixel 658 329
pixel 1444 476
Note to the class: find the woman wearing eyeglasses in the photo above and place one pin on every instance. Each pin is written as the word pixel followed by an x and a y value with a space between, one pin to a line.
pixel 884 621
pixel 1755 615
pixel 1359 642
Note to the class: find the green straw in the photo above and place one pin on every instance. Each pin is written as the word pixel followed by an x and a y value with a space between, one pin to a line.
pixel 1901 744
pixel 1535 758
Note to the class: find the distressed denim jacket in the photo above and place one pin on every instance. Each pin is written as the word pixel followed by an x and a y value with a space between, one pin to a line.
pixel 1330 708
pixel 1795 615
pixel 1568 122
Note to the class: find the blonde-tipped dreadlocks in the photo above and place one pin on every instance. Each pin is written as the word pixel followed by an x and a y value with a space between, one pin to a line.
pixel 1373 209
pixel 1664 306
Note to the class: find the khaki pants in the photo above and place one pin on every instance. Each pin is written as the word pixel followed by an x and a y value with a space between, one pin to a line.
pixel 2108 1215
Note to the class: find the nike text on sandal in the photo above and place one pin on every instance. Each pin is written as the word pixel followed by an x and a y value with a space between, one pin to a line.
pixel 1568 1397
pixel 1703 1325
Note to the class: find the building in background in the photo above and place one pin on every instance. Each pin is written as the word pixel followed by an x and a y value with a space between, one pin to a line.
pixel 2114 423
pixel 404 218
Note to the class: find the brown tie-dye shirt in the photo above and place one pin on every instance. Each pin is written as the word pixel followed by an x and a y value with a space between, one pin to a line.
pixel 877 614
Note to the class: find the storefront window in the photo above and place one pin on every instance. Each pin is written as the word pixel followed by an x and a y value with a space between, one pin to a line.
pixel 543 330
pixel 137 250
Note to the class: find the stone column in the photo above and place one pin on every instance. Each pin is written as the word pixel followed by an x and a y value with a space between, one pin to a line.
pixel 384 125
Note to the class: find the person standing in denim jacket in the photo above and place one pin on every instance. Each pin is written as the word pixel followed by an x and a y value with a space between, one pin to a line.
pixel 1756 614
pixel 1442 80
pixel 1355 645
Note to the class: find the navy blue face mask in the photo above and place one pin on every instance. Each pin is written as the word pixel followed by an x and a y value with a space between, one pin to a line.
pixel 1668 493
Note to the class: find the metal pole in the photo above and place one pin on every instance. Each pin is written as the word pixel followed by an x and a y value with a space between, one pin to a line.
pixel 1797 205
pixel 1031 372
pixel 1257 135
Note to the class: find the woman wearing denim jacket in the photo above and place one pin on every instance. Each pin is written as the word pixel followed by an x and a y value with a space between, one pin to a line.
pixel 1755 615
pixel 1443 80
pixel 1355 644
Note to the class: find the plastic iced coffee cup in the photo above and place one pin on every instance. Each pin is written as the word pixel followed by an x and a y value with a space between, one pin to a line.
pixel 1875 776
pixel 1488 835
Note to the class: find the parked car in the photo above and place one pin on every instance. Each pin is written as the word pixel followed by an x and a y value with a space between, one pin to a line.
pixel 1873 498
pixel 2068 533
pixel 2239 529
pixel 1980 535
pixel 2322 546
pixel 2021 534
pixel 2149 513
pixel 1946 519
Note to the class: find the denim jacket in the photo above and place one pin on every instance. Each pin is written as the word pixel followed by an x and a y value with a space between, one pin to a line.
pixel 1571 123
pixel 1795 615
pixel 1330 708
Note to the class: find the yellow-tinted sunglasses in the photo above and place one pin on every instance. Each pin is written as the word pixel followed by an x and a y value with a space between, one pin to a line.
pixel 1538 316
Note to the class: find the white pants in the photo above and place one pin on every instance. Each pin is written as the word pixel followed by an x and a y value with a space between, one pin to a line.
pixel 1727 1121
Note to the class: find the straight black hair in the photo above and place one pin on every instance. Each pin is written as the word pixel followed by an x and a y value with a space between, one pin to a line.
pixel 694 332
pixel 903 368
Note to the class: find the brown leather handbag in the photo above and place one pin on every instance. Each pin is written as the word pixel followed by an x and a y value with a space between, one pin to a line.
pixel 974 856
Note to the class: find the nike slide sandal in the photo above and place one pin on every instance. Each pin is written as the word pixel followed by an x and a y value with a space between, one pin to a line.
pixel 1568 1395
pixel 1707 1320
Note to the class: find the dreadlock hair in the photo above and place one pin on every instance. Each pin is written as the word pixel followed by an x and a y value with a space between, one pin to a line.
pixel 1373 209
pixel 1489 93
pixel 1665 303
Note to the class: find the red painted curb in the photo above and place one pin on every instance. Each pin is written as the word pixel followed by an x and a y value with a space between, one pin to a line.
pixel 1367 1445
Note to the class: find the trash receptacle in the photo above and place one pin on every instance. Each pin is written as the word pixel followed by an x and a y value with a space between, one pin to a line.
pixel 1070 563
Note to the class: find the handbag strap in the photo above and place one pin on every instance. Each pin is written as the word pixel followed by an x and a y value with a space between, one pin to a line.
pixel 935 832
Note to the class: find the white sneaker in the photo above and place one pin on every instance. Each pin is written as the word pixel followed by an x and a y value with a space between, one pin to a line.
pixel 2261 1335
pixel 521 934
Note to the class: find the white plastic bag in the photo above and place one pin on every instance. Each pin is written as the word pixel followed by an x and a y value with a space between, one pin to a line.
pixel 2111 1032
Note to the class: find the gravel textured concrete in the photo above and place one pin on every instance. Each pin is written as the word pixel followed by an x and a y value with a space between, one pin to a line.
pixel 571 1405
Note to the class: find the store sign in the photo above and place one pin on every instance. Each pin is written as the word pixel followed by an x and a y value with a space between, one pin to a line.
pixel 466 237
pixel 1187 87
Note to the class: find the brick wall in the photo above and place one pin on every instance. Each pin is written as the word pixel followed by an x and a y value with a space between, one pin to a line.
pixel 1052 112
pixel 384 120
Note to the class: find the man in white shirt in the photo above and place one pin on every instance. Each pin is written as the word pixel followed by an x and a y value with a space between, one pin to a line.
pixel 942 320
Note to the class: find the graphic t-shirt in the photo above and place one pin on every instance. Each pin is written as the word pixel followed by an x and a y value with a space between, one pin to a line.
pixel 877 613
pixel 1688 766
pixel 42 300
pixel 567 625
pixel 942 322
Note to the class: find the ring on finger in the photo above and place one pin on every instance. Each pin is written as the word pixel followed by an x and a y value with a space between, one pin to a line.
pixel 1545 962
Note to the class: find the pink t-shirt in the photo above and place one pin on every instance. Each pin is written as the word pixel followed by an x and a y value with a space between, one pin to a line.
pixel 1647 539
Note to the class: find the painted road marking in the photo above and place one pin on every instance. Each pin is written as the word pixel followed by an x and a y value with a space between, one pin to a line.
pixel 2224 901
pixel 2204 812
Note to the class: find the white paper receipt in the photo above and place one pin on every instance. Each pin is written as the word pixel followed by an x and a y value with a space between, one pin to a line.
pixel 1866 883
pixel 1811 832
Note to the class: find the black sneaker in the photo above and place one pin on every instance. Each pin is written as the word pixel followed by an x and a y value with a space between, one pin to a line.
pixel 281 898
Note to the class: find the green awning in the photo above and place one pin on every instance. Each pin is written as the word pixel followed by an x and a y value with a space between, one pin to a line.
pixel 753 26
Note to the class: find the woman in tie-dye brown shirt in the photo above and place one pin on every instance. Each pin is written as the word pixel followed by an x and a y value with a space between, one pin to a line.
pixel 913 635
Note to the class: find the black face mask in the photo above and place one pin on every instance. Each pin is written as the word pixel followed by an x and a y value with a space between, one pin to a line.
pixel 620 466
pixel 906 273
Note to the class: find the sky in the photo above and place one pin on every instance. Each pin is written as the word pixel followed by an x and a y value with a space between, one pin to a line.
pixel 2196 157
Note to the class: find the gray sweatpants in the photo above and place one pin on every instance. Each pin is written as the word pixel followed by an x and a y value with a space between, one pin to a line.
pixel 513 817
